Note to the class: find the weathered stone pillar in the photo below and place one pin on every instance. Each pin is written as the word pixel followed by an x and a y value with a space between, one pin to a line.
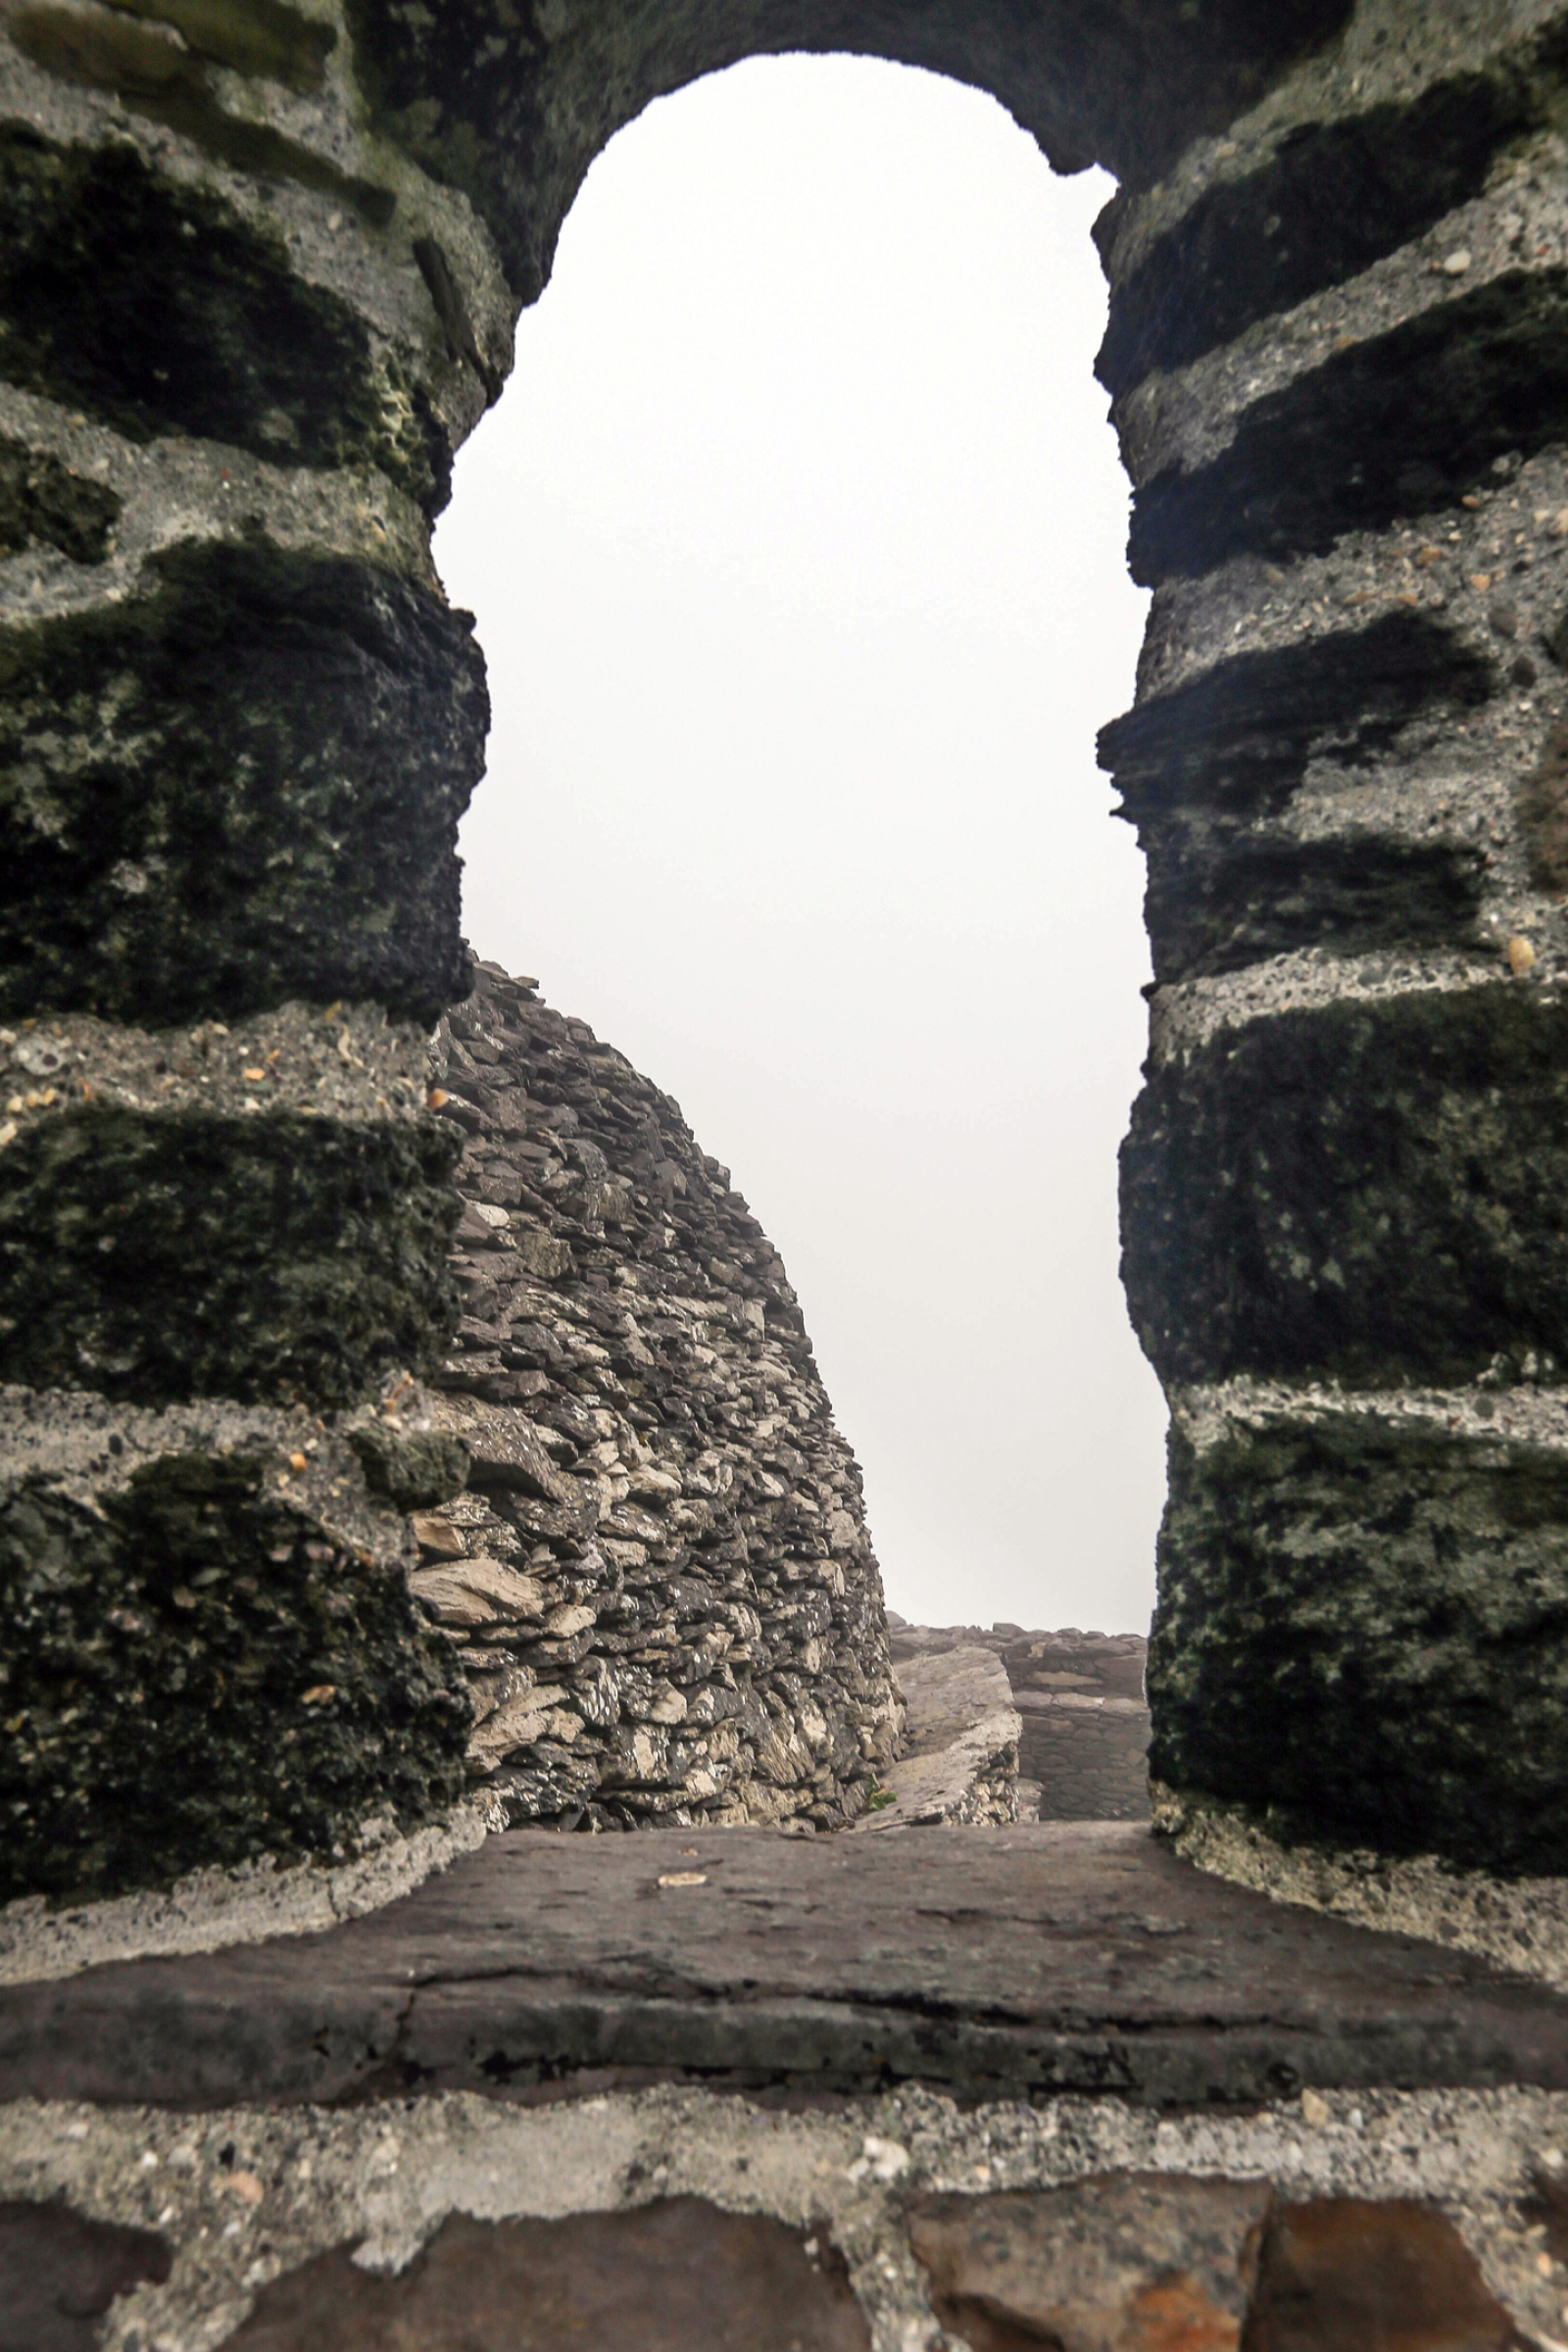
pixel 1339 346
pixel 238 342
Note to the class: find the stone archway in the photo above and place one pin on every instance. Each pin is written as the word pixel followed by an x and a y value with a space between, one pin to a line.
pixel 260 275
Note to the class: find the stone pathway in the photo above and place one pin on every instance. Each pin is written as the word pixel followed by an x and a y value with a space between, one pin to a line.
pixel 1084 1732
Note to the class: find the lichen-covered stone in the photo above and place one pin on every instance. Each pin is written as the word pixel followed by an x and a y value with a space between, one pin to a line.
pixel 1371 1191
pixel 255 286
pixel 1398 424
pixel 43 504
pixel 239 787
pixel 198 1671
pixel 1362 1633
pixel 1238 737
pixel 511 108
pixel 159 308
pixel 413 1468
pixel 1220 897
pixel 1328 200
pixel 279 1258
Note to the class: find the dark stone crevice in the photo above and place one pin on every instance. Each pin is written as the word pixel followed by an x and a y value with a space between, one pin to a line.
pixel 1369 1192
pixel 1220 897
pixel 1238 737
pixel 157 1257
pixel 45 503
pixel 241 788
pixel 1399 424
pixel 1542 803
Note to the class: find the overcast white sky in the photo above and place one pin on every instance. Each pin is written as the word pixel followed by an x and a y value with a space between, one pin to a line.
pixel 797 548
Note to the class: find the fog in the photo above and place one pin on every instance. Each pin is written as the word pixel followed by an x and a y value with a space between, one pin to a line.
pixel 796 544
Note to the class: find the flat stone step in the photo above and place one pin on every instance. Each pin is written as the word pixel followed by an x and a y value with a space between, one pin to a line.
pixel 994 1963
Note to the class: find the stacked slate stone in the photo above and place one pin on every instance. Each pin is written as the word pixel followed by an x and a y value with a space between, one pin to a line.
pixel 661 1578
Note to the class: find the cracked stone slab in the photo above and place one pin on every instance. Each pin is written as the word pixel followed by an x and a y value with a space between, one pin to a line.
pixel 1078 1957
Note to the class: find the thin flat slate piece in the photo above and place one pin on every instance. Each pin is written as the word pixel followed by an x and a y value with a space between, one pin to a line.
pixel 1064 1956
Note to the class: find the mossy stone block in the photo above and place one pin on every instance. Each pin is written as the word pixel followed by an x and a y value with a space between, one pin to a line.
pixel 241 787
pixel 197 1673
pixel 1362 1633
pixel 276 1260
pixel 1373 1191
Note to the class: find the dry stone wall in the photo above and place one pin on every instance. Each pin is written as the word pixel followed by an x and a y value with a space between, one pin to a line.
pixel 260 269
pixel 661 1575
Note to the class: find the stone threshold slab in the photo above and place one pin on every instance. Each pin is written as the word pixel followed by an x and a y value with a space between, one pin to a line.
pixel 993 1963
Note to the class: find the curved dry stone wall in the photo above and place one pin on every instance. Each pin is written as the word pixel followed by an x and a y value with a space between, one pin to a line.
pixel 659 1576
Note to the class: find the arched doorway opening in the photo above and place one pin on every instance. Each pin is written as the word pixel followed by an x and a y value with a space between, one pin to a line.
pixel 796 548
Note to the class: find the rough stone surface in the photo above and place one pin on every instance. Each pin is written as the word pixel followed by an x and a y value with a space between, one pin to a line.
pixel 1001 1963
pixel 1129 2263
pixel 677 2275
pixel 1514 1923
pixel 109 308
pixel 959 1759
pixel 155 1255
pixel 1212 770
pixel 1362 1189
pixel 1349 2271
pixel 1321 203
pixel 1145 2263
pixel 247 1903
pixel 260 275
pixel 241 785
pixel 245 2195
pixel 258 282
pixel 514 118
pixel 660 1578
pixel 1401 1601
pixel 1083 1742
pixel 214 1654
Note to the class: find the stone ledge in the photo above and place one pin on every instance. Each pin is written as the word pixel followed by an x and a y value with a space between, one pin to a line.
pixel 989 1963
